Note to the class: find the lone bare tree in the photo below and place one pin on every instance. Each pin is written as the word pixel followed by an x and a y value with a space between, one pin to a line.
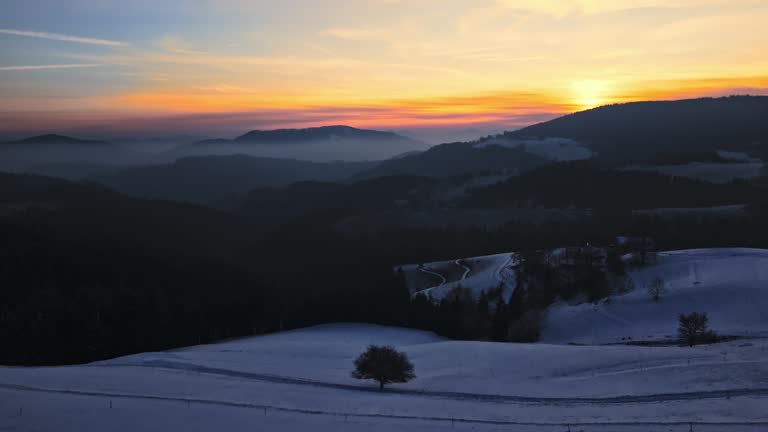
pixel 694 328
pixel 657 289
pixel 383 364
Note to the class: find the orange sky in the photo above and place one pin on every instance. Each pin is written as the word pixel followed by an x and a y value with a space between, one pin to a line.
pixel 371 63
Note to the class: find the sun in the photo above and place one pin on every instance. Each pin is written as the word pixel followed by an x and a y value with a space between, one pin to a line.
pixel 589 94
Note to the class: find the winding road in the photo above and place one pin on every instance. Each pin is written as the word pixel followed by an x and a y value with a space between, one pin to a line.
pixel 458 262
pixel 511 261
pixel 430 272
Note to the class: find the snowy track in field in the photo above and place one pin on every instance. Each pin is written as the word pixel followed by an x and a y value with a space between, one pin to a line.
pixel 624 399
pixel 452 420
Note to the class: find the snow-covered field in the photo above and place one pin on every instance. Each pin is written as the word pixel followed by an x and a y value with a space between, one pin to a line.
pixel 299 380
pixel 730 285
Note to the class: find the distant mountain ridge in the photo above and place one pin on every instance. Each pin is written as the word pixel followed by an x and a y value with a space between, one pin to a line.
pixel 56 139
pixel 319 144
pixel 287 136
pixel 316 134
pixel 28 154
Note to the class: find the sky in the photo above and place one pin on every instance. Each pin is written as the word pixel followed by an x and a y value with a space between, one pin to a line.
pixel 221 67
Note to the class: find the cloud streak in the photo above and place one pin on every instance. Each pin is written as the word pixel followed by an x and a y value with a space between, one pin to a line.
pixel 47 67
pixel 63 37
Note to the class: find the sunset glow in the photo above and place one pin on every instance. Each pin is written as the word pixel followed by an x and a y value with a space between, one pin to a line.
pixel 382 63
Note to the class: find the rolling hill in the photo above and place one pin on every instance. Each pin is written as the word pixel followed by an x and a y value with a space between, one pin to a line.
pixel 326 143
pixel 587 185
pixel 727 283
pixel 294 136
pixel 266 382
pixel 55 139
pixel 213 180
pixel 88 211
pixel 70 156
pixel 455 159
pixel 639 130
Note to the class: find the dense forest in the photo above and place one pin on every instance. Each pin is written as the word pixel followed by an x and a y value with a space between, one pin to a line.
pixel 580 184
pixel 88 274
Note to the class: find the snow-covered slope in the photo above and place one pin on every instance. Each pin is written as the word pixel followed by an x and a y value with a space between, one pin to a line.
pixel 730 285
pixel 300 380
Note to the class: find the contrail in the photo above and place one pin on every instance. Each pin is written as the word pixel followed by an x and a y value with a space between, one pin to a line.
pixel 63 37
pixel 44 67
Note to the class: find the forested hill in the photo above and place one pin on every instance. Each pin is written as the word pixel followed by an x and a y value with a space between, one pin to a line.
pixel 644 128
pixel 316 134
pixel 580 184
pixel 455 159
pixel 81 211
pixel 57 140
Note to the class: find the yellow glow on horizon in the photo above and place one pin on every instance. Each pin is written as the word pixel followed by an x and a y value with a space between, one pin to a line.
pixel 579 95
pixel 428 62
pixel 590 93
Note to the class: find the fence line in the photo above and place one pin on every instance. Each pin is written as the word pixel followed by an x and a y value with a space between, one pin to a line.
pixel 347 415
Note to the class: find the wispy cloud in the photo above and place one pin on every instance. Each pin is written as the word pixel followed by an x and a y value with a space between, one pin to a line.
pixel 358 33
pixel 45 67
pixel 63 37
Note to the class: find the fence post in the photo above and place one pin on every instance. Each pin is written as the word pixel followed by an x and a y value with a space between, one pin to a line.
pixel 690 427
